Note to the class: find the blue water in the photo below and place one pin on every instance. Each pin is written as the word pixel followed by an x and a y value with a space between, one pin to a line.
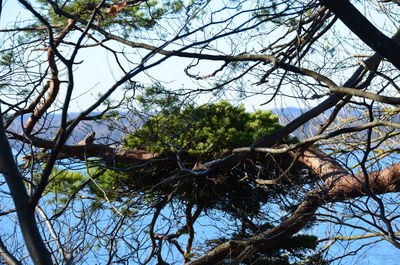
pixel 375 254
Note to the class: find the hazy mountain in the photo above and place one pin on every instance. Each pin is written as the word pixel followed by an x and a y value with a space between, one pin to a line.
pixel 107 131
pixel 113 130
pixel 287 115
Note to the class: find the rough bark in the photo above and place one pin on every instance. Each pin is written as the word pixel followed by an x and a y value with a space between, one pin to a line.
pixel 91 150
pixel 338 185
pixel 54 83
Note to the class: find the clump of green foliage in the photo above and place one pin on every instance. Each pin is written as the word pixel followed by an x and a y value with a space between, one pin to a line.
pixel 118 15
pixel 201 133
pixel 206 131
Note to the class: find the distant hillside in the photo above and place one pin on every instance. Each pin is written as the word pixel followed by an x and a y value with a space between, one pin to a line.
pixel 287 115
pixel 107 132
pixel 112 131
pixel 350 116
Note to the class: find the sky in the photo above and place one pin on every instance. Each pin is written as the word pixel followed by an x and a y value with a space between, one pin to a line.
pixel 95 63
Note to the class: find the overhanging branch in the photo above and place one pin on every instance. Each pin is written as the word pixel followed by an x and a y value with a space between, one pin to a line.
pixel 365 30
pixel 338 185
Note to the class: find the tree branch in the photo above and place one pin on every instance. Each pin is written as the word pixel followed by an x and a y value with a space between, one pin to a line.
pixel 366 94
pixel 26 218
pixel 365 30
pixel 54 84
pixel 338 185
pixel 7 256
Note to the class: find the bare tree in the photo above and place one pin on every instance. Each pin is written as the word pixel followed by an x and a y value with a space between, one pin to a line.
pixel 79 188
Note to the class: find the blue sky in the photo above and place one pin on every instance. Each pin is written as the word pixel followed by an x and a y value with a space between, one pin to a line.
pixel 97 71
